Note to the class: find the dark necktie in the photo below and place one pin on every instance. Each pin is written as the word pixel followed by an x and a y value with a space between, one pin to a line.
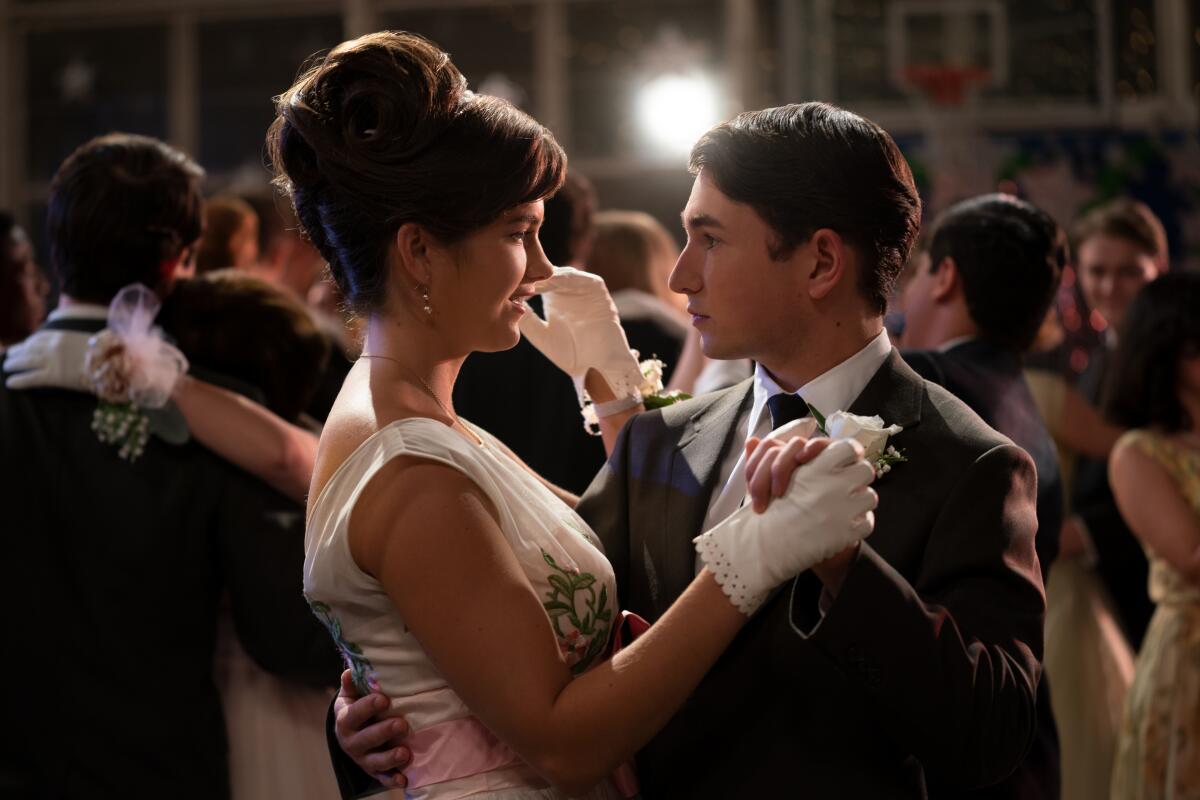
pixel 785 408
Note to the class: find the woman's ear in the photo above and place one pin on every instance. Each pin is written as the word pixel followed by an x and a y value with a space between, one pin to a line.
pixel 413 255
pixel 830 262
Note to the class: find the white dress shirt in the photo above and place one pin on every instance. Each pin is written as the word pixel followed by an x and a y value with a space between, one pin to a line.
pixel 79 311
pixel 833 390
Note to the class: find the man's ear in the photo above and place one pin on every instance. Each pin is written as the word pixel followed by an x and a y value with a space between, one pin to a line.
pixel 830 265
pixel 945 283
pixel 413 254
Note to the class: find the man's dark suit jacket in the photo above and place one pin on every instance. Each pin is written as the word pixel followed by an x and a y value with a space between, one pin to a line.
pixel 114 577
pixel 990 380
pixel 1121 563
pixel 921 677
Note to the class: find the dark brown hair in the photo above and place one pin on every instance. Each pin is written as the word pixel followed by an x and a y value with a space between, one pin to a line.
pixel 231 322
pixel 17 319
pixel 1161 327
pixel 1010 259
pixel 566 232
pixel 1126 219
pixel 383 131
pixel 121 206
pixel 808 166
pixel 224 216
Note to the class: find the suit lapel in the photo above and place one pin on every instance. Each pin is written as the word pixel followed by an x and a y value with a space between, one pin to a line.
pixel 894 393
pixel 695 466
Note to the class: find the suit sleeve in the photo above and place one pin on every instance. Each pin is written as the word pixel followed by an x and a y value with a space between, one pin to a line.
pixel 605 507
pixel 352 782
pixel 952 663
pixel 262 542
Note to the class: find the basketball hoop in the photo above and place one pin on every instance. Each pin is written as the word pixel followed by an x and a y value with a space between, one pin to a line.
pixel 946 85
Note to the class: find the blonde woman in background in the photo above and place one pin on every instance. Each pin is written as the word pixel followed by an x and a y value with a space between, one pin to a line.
pixel 634 254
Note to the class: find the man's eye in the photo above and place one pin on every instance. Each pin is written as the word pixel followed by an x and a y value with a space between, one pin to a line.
pixel 709 242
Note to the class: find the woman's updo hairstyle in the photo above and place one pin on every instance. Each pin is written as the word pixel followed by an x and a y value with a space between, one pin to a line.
pixel 383 131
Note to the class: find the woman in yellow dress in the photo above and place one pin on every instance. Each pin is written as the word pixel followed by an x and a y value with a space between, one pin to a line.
pixel 1155 475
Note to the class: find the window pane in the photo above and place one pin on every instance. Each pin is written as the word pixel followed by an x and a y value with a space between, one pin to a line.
pixel 860 55
pixel 493 47
pixel 1051 47
pixel 83 83
pixel 1135 48
pixel 766 61
pixel 614 47
pixel 243 65
pixel 1051 50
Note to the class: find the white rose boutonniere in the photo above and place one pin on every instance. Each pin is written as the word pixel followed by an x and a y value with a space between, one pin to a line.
pixel 870 432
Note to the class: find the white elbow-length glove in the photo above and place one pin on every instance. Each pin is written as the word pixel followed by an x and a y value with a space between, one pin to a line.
pixel 49 359
pixel 581 331
pixel 828 507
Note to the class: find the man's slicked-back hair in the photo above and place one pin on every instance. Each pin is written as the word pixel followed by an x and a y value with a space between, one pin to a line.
pixel 1010 256
pixel 809 166
pixel 122 206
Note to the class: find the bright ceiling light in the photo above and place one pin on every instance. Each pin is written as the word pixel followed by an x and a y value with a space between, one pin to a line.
pixel 674 110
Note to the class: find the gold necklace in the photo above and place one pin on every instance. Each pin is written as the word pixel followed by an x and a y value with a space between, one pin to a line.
pixel 431 392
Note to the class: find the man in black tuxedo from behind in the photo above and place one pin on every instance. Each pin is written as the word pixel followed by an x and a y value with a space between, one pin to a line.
pixel 1120 247
pixel 117 568
pixel 906 666
pixel 972 306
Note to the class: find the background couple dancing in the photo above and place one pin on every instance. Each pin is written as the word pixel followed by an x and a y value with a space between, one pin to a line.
pixel 474 602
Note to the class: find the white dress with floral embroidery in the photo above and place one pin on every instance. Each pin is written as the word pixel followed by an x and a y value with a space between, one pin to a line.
pixel 558 552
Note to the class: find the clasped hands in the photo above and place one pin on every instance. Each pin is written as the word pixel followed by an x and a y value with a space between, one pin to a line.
pixel 770 464
pixel 376 743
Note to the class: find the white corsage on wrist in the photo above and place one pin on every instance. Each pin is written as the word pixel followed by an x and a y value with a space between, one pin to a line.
pixel 650 394
pixel 870 432
pixel 131 367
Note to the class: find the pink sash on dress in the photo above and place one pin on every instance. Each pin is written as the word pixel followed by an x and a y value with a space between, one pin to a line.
pixel 459 748
pixel 455 749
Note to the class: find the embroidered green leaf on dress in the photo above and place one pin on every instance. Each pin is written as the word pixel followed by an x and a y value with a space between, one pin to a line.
pixel 361 670
pixel 573 597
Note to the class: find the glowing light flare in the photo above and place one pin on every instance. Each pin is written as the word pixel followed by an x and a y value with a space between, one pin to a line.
pixel 673 110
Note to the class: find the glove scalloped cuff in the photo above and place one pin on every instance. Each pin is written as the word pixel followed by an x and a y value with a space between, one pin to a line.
pixel 713 554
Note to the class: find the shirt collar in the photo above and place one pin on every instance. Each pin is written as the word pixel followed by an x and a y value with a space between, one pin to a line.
pixel 833 390
pixel 79 311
